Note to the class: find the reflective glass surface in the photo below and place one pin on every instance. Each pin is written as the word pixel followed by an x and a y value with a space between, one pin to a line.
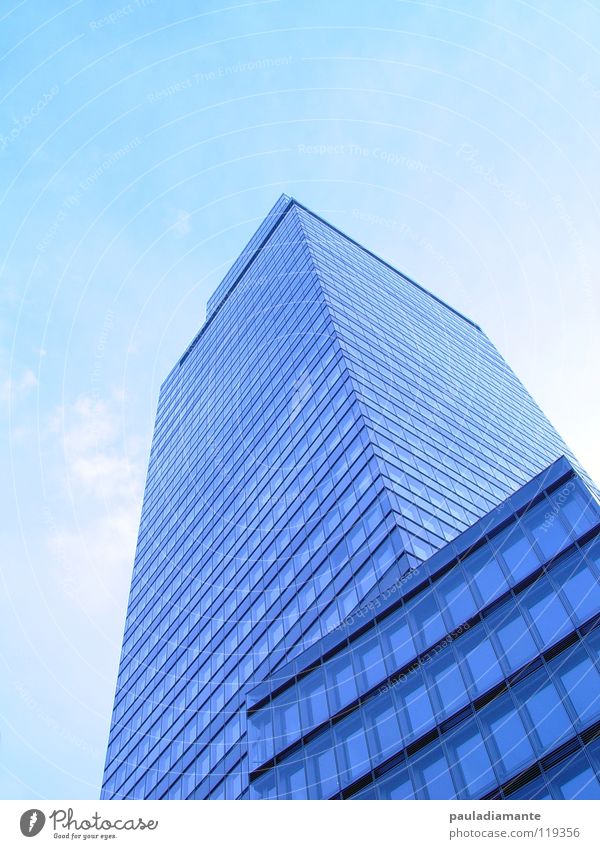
pixel 331 426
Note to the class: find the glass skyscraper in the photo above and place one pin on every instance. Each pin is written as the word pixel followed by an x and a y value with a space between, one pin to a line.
pixel 366 562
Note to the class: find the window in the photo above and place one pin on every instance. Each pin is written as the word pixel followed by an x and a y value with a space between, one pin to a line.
pixel 448 684
pixel 341 684
pixel 513 636
pixel 575 780
pixel 286 719
pixel 575 506
pixel 485 575
pixel 264 787
pixel 470 761
pixel 368 660
pixel 546 528
pixel 479 661
pixel 291 779
pixel 548 613
pixel 576 581
pixel 351 748
pixel 398 646
pixel 417 707
pixel 506 735
pixel 312 698
pixel 455 598
pixel 383 729
pixel 517 552
pixel 432 775
pixel 321 768
pixel 542 703
pixel 425 620
pixel 396 785
pixel 582 683
pixel 260 736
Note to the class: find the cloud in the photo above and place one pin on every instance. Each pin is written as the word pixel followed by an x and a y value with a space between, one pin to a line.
pixel 182 225
pixel 92 524
pixel 12 390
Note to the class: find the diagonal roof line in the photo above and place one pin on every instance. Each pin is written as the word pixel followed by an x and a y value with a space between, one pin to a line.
pixel 258 241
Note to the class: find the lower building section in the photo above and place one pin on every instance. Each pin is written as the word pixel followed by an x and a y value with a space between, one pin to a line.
pixel 474 675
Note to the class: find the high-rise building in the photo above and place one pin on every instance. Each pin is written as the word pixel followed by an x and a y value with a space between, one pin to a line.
pixel 345 492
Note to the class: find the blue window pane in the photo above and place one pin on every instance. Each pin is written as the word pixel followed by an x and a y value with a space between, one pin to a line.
pixel 351 748
pixel 260 737
pixel 455 598
pixel 321 768
pixel 471 764
pixel 313 699
pixel 546 528
pixel 543 706
pixel 581 681
pixel 548 613
pixel 517 552
pixel 398 646
pixel 575 506
pixel 396 785
pixel 286 716
pixel 291 780
pixel 479 661
pixel 383 727
pixel 486 577
pixel 265 786
pixel 341 684
pixel 368 660
pixel 575 780
pixel 432 777
pixel 511 631
pixel 416 705
pixel 581 588
pixel 506 734
pixel 448 684
pixel 425 620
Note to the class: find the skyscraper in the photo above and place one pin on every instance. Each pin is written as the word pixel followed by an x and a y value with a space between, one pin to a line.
pixel 329 434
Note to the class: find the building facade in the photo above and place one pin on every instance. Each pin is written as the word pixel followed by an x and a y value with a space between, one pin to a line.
pixel 331 429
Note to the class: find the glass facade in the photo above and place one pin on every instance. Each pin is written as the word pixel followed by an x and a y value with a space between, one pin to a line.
pixel 330 432
pixel 481 669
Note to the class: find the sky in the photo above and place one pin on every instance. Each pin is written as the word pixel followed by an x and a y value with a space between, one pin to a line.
pixel 141 143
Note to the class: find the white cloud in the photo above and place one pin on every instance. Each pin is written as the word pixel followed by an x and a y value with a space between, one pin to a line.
pixel 182 224
pixel 92 525
pixel 12 390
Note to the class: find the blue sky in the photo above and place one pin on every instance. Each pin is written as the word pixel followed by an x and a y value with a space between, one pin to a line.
pixel 140 145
